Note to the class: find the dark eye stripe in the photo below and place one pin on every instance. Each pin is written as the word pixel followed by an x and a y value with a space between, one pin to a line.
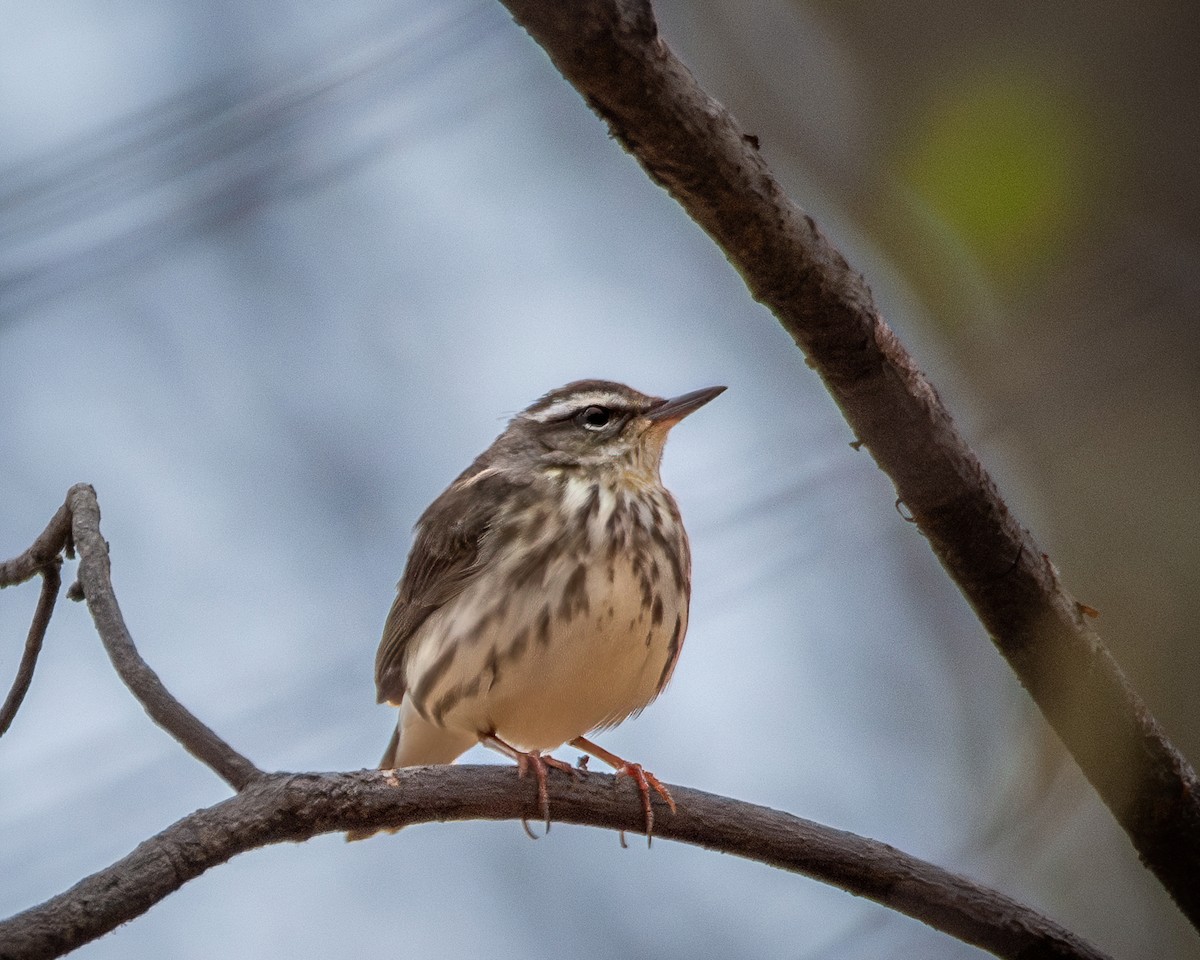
pixel 614 413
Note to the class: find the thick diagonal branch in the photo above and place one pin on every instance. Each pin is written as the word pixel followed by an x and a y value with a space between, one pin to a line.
pixel 688 143
pixel 295 807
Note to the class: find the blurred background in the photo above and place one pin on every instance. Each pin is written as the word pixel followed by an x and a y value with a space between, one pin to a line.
pixel 272 274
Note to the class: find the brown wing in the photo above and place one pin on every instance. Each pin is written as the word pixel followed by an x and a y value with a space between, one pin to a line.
pixel 443 560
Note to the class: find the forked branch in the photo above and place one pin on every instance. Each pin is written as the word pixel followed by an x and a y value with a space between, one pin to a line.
pixel 76 525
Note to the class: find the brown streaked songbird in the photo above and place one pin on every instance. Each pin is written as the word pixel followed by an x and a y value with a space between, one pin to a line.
pixel 546 593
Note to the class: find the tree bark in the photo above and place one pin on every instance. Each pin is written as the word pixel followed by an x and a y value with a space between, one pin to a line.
pixel 690 145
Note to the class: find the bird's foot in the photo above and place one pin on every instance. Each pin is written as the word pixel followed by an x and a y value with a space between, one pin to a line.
pixel 536 762
pixel 644 780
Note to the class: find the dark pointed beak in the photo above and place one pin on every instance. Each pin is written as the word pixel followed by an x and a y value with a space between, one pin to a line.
pixel 670 412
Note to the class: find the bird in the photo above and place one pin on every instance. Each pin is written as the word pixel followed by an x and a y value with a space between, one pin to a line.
pixel 546 592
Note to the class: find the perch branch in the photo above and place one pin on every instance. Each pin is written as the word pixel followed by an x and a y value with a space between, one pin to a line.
pixel 279 808
pixel 691 146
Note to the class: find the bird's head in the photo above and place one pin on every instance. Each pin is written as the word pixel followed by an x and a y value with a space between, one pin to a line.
pixel 599 424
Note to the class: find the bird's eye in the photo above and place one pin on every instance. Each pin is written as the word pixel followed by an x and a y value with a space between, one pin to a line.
pixel 593 418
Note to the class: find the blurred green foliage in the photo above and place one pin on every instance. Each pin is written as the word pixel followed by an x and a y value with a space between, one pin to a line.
pixel 1006 160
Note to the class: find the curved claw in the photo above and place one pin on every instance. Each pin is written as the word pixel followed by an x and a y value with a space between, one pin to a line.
pixel 537 762
pixel 644 780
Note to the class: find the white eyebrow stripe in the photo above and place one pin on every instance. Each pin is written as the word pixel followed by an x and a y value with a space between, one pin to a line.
pixel 577 401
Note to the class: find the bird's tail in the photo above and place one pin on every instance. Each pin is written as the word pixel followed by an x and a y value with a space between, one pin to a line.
pixel 420 743
pixel 389 755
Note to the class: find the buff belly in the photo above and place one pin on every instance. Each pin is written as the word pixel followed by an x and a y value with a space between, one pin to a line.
pixel 546 663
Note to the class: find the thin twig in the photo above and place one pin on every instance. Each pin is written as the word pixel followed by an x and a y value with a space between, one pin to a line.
pixel 51 581
pixel 295 807
pixel 52 541
pixel 688 143
pixel 44 557
pixel 95 577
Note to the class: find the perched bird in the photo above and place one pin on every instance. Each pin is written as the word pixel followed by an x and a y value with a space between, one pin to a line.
pixel 546 592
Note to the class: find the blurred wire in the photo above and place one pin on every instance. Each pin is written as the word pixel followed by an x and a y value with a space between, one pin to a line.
pixel 221 150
